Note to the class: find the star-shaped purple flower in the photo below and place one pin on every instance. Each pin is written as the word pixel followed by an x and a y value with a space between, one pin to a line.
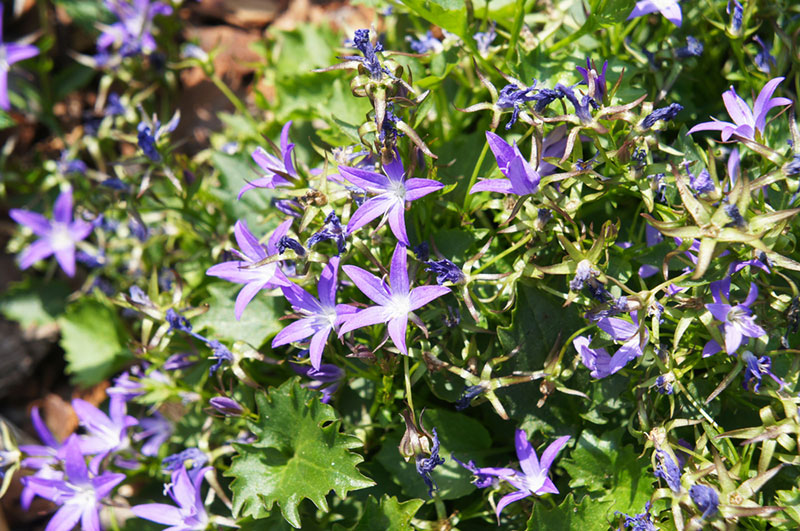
pixel 133 32
pixel 738 321
pixel 246 270
pixel 394 301
pixel 326 379
pixel 393 191
pixel 520 177
pixel 320 316
pixel 533 479
pixel 11 53
pixel 275 169
pixel 55 237
pixel 106 433
pixel 746 121
pixel 190 515
pixel 669 8
pixel 79 493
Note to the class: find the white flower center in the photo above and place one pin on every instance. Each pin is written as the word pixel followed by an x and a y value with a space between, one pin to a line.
pixel 398 189
pixel 401 306
pixel 60 237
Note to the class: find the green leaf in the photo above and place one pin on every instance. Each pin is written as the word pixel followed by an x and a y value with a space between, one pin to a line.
pixel 258 322
pixel 447 14
pixel 601 464
pixel 294 456
pixel 389 515
pixel 609 12
pixel 93 341
pixel 588 515
pixel 33 303
pixel 459 435
pixel 538 323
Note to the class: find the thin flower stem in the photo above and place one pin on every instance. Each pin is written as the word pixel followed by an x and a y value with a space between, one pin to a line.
pixel 511 249
pixel 407 379
pixel 474 177
pixel 232 97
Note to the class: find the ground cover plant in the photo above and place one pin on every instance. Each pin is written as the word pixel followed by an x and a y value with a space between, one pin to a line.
pixel 512 264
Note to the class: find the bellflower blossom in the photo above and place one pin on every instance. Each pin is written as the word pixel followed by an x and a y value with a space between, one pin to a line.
pixel 156 430
pixel 369 60
pixel 755 369
pixel 484 39
pixel 736 11
pixel 520 177
pixel 426 43
pixel 41 457
pixel 746 121
pixel 598 360
pixel 706 499
pixel 393 191
pixel 669 8
pixel 664 114
pixel 738 321
pixel 319 316
pixel 326 379
pixel 106 433
pixel 276 170
pixel 394 302
pixel 149 134
pixel 693 48
pixel 189 515
pixel 425 465
pixel 764 59
pixel 667 469
pixel 640 522
pixel 533 477
pixel 133 33
pixel 247 270
pixel 11 53
pixel 445 270
pixel 55 237
pixel 332 230
pixel 78 493
pixel 600 79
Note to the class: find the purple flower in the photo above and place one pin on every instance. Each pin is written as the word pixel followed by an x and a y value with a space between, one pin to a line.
pixel 393 191
pixel 533 477
pixel 702 183
pixel 664 114
pixel 156 430
pixel 325 379
pixel 755 369
pixel 425 465
pixel 693 48
pixel 599 79
pixel 668 470
pixel 394 302
pixel 640 522
pixel 226 406
pixel 764 59
pixel 319 316
pixel 42 458
pixel 445 270
pixel 247 270
pixel 486 476
pixel 133 33
pixel 737 321
pixel 178 461
pixel 78 492
pixel 745 121
pixel 55 237
pixel 106 433
pixel 11 53
pixel 468 395
pixel 189 515
pixel 520 177
pixel 706 499
pixel 370 60
pixel 426 43
pixel 276 170
pixel 484 39
pixel 149 133
pixel 626 332
pixel 737 14
pixel 332 230
pixel 669 8
pixel 597 360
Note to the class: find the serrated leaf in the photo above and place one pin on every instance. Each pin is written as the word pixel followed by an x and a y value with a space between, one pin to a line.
pixel 389 515
pixel 294 456
pixel 588 515
pixel 92 339
pixel 258 322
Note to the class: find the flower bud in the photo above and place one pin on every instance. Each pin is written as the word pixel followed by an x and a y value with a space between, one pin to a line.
pixel 227 406
pixel 415 441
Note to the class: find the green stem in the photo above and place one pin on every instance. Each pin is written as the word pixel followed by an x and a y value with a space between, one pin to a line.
pixel 407 379
pixel 474 177
pixel 520 12
pixel 233 98
pixel 511 249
